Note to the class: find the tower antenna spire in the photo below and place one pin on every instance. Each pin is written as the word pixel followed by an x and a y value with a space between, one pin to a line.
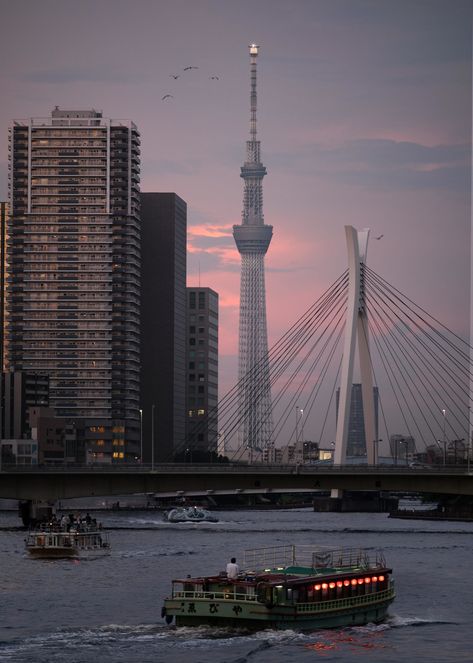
pixel 253 98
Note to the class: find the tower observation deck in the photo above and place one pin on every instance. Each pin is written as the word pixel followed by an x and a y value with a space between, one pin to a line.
pixel 252 238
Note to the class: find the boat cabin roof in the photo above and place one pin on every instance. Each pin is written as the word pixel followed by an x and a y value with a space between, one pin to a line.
pixel 289 575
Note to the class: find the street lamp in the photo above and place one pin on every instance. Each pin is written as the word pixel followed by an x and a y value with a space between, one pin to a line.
pixel 297 424
pixel 444 412
pixel 376 450
pixel 406 449
pixel 141 436
pixel 302 423
pixel 152 436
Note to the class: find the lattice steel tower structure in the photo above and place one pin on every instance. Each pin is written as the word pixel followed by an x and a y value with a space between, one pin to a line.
pixel 252 238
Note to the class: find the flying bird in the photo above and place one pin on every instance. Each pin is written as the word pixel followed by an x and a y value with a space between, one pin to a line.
pixel 175 76
pixel 167 96
pixel 214 78
pixel 380 237
pixel 190 67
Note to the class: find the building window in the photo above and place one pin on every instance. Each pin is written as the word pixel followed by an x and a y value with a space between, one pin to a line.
pixel 192 300
pixel 192 329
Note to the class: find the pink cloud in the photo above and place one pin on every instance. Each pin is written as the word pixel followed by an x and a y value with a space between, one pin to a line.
pixel 208 230
pixel 225 254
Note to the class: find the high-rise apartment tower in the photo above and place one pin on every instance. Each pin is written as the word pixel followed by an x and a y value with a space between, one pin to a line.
pixel 3 267
pixel 252 238
pixel 73 269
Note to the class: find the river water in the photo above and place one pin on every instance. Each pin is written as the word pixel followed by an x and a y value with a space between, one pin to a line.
pixel 108 610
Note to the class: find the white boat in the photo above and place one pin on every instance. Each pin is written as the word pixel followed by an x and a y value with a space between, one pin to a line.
pixel 189 514
pixel 52 543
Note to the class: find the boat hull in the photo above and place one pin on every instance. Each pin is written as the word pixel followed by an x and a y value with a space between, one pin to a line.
pixel 349 612
pixel 66 553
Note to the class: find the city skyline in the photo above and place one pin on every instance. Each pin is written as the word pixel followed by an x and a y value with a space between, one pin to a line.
pixel 365 115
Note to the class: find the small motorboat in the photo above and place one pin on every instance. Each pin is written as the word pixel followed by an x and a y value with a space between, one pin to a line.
pixel 189 514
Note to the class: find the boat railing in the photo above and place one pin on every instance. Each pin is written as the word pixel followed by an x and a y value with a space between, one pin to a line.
pixel 210 595
pixel 312 606
pixel 347 602
pixel 45 538
pixel 281 557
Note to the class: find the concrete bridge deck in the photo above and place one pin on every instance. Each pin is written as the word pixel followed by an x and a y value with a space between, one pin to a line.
pixel 53 483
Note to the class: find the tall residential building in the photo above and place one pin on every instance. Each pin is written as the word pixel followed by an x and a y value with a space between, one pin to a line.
pixel 73 269
pixel 356 444
pixel 163 324
pixel 252 238
pixel 3 268
pixel 202 371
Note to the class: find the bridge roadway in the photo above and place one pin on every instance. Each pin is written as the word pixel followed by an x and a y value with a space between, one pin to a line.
pixel 55 483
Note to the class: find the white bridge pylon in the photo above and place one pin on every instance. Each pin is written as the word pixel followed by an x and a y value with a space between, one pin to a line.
pixel 356 332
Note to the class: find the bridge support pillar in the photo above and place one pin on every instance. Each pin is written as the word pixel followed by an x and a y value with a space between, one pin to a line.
pixel 356 333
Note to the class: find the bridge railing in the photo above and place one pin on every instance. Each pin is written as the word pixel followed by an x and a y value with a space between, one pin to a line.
pixel 234 468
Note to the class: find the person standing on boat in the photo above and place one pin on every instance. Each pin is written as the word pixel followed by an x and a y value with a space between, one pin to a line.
pixel 232 569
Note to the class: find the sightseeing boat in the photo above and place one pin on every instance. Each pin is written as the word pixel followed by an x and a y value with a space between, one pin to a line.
pixel 288 587
pixel 189 514
pixel 50 543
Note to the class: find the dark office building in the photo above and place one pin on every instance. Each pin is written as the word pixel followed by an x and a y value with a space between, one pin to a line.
pixel 73 268
pixel 18 393
pixel 163 324
pixel 202 372
pixel 356 443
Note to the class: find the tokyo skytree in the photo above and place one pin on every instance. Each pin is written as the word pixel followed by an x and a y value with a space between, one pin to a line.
pixel 252 238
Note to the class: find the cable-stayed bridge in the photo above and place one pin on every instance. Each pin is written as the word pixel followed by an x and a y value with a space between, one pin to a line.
pixel 421 369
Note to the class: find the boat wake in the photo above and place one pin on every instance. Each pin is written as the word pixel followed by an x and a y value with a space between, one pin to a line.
pixel 396 621
pixel 134 554
pixel 113 641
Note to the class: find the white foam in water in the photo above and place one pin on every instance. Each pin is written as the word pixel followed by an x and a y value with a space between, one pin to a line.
pixel 396 621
